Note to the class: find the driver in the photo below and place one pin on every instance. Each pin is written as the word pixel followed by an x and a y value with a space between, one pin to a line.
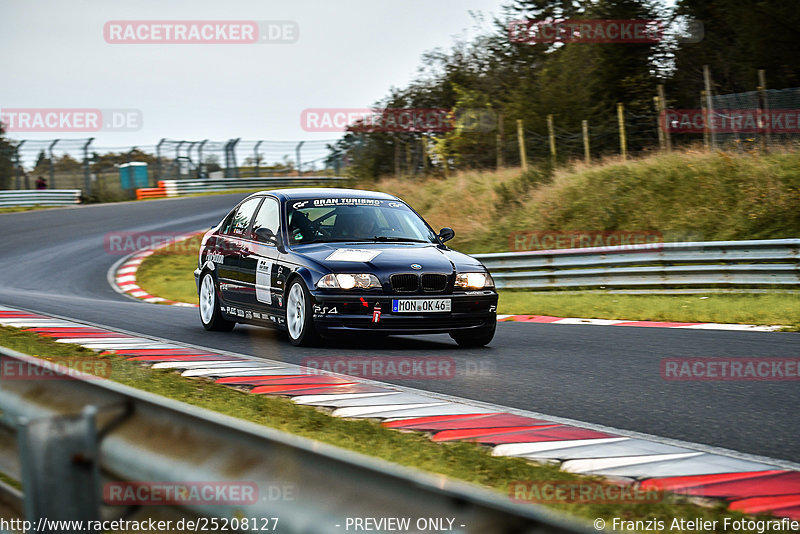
pixel 354 223
pixel 300 228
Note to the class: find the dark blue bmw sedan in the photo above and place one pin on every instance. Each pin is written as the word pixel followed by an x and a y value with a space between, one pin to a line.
pixel 318 262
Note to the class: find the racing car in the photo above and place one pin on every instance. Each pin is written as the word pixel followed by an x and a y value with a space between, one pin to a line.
pixel 327 261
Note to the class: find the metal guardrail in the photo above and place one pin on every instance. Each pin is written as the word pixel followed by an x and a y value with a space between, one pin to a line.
pixel 75 434
pixel 187 187
pixel 39 197
pixel 772 263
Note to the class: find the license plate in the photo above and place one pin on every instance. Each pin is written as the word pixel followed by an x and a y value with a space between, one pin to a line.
pixel 420 305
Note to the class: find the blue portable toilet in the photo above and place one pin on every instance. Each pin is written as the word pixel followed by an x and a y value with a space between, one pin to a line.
pixel 133 175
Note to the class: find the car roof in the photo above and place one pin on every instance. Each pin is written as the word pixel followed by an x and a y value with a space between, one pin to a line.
pixel 324 192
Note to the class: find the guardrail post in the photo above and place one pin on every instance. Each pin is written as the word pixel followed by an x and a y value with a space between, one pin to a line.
pixel 60 476
pixel 52 164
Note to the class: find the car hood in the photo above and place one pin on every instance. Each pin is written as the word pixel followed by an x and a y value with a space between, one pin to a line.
pixel 387 257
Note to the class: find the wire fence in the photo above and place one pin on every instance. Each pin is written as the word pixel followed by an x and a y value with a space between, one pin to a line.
pixel 755 120
pixel 100 172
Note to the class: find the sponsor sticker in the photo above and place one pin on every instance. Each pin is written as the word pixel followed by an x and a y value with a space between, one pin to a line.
pixel 353 254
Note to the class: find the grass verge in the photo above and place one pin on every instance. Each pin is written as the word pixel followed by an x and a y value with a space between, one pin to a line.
pixel 459 460
pixel 743 308
pixel 684 195
pixel 169 273
pixel 17 209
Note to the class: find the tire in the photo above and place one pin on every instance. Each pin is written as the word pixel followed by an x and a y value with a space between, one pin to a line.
pixel 475 338
pixel 299 316
pixel 210 314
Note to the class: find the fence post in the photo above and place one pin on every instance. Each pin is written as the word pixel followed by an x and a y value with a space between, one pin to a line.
pixel 396 158
pixel 408 160
pixel 200 171
pixel 662 101
pixel 709 105
pixel 552 135
pixel 18 164
pixel 500 142
pixel 424 141
pixel 87 175
pixel 299 158
pixel 52 164
pixel 258 158
pixel 523 156
pixel 764 105
pixel 587 155
pixel 158 175
pixel 623 140
pixel 235 165
pixel 657 106
pixel 177 164
pixel 189 154
pixel 706 143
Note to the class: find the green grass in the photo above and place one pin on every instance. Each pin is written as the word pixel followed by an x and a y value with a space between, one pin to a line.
pixel 169 273
pixel 17 209
pixel 459 460
pixel 751 308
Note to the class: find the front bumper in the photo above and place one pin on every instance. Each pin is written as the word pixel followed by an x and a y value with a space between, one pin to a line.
pixel 347 313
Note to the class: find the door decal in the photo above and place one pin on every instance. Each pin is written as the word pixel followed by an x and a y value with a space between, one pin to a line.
pixel 264 281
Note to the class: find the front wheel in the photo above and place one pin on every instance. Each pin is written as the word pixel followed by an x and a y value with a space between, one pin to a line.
pixel 299 319
pixel 210 313
pixel 475 338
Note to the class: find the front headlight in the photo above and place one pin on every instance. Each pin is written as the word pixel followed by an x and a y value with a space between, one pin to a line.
pixel 348 281
pixel 474 280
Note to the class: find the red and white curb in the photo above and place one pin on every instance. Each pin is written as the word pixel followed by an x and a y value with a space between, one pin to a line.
pixel 746 483
pixel 548 319
pixel 122 277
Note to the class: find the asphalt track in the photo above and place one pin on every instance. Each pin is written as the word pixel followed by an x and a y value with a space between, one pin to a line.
pixel 54 261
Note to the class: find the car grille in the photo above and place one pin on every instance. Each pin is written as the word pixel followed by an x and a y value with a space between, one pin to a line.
pixel 434 282
pixel 404 283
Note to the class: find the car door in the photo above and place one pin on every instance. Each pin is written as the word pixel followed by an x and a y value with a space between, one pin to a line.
pixel 260 259
pixel 235 244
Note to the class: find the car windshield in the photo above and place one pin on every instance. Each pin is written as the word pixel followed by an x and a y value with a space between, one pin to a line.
pixel 325 220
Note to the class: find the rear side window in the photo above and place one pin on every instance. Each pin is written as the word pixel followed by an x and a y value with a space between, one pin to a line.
pixel 239 221
pixel 269 216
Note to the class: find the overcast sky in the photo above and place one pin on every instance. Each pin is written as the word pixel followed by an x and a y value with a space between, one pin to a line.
pixel 348 54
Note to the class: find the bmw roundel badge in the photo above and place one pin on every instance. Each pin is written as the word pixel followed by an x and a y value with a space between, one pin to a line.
pixel 416 266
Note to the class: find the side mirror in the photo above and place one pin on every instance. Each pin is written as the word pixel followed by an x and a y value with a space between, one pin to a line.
pixel 265 235
pixel 446 234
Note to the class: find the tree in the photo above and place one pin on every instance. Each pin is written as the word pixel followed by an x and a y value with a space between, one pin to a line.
pixel 739 37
